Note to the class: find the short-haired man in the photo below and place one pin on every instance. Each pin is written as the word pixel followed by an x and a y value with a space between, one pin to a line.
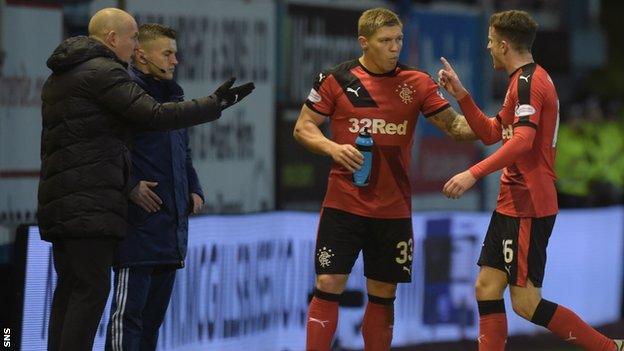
pixel 514 249
pixel 373 92
pixel 90 105
pixel 165 189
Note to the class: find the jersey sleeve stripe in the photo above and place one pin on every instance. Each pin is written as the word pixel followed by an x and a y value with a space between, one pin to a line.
pixel 310 105
pixel 435 112
pixel 525 123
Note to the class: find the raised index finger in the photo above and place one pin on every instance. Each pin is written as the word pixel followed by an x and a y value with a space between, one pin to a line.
pixel 447 65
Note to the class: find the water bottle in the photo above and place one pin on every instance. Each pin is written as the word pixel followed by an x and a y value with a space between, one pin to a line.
pixel 364 144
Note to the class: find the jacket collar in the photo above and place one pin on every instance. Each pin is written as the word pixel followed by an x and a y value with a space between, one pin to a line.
pixel 161 90
pixel 76 50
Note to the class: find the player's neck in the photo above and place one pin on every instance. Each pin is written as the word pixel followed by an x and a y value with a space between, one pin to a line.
pixel 517 61
pixel 371 66
pixel 142 68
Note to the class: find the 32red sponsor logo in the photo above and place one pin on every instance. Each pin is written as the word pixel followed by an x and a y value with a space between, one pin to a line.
pixel 377 126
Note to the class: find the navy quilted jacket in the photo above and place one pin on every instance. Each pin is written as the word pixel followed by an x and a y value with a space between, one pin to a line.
pixel 159 238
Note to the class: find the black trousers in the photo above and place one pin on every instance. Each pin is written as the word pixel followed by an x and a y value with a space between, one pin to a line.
pixel 83 267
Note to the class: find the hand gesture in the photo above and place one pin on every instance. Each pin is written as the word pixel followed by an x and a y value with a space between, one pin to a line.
pixel 196 203
pixel 229 96
pixel 458 185
pixel 143 196
pixel 347 156
pixel 448 79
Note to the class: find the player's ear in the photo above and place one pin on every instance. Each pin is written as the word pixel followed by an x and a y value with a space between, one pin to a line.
pixel 363 42
pixel 504 46
pixel 140 55
pixel 111 38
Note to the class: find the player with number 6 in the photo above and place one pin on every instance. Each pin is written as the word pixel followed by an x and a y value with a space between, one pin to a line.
pixel 514 251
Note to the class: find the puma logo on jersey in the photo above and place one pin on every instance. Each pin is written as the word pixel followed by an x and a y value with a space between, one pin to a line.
pixel 526 78
pixel 322 323
pixel 377 126
pixel 321 76
pixel 355 92
pixel 507 132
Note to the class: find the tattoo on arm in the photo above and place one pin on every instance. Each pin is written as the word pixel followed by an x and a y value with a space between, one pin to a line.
pixel 453 124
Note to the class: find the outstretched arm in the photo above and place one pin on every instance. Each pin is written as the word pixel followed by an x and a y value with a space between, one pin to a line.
pixel 453 124
pixel 487 129
pixel 506 155
pixel 130 103
pixel 520 143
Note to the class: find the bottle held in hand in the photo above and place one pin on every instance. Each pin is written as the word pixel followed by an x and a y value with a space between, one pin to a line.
pixel 364 144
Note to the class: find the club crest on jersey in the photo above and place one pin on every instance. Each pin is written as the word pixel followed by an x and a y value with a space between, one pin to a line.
pixel 507 132
pixel 405 92
pixel 324 256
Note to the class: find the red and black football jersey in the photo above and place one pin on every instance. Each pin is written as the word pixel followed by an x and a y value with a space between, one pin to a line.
pixel 527 187
pixel 388 105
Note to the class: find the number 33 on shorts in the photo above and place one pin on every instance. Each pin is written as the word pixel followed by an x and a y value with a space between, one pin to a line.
pixel 404 258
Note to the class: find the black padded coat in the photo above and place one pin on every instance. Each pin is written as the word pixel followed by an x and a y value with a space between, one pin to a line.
pixel 90 106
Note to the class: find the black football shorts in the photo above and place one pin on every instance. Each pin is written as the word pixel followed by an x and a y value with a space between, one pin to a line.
pixel 517 246
pixel 386 245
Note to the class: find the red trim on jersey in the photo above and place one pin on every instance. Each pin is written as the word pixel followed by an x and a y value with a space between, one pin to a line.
pixel 521 142
pixel 486 128
pixel 524 239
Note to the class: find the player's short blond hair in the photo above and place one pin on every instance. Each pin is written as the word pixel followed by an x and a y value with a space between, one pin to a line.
pixel 373 19
pixel 516 26
pixel 153 31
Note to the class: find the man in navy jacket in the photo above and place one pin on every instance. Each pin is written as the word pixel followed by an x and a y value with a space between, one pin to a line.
pixel 165 190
